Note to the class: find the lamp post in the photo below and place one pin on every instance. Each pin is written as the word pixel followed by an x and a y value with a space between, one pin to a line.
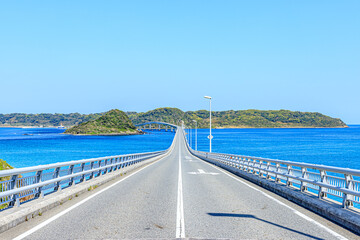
pixel 195 134
pixel 210 136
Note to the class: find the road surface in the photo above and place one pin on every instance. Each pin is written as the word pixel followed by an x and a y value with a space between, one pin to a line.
pixel 179 196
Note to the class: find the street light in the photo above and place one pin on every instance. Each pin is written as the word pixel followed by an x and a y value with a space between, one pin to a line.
pixel 195 134
pixel 210 136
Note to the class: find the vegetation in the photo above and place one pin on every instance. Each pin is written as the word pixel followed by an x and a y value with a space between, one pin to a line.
pixel 114 122
pixel 4 165
pixel 45 119
pixel 169 115
pixel 239 119
pixel 220 119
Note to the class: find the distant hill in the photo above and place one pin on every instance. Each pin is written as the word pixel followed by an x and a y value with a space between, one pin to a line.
pixel 169 115
pixel 45 119
pixel 240 119
pixel 113 122
pixel 220 119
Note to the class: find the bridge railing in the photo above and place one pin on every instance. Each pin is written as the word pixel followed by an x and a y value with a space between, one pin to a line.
pixel 339 184
pixel 23 184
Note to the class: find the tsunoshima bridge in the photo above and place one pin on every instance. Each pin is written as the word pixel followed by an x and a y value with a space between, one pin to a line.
pixel 179 193
pixel 156 126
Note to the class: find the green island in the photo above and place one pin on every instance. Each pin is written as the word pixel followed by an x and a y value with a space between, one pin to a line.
pixel 220 119
pixel 113 122
pixel 45 119
pixel 240 119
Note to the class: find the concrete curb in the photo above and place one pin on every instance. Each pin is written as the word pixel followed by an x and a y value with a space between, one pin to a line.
pixel 343 217
pixel 17 215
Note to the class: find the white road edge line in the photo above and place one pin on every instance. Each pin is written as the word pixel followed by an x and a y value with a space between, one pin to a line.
pixel 335 234
pixel 180 223
pixel 53 218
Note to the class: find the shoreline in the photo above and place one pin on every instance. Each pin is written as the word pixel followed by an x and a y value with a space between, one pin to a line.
pixel 234 127
pixel 7 126
pixel 229 127
pixel 109 134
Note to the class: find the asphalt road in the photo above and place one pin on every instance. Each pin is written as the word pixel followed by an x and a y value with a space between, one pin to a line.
pixel 180 196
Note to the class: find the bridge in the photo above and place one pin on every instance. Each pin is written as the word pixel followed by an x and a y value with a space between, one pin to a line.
pixel 156 126
pixel 179 193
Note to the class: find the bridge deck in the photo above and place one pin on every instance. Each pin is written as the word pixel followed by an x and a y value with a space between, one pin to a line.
pixel 216 204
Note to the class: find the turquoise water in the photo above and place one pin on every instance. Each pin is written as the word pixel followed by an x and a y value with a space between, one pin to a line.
pixel 333 146
pixel 48 145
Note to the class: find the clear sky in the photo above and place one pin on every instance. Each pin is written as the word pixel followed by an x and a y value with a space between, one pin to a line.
pixel 92 56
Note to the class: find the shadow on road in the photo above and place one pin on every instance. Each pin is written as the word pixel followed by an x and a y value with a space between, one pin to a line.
pixel 262 220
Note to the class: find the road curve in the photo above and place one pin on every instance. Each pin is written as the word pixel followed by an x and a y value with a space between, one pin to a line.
pixel 181 196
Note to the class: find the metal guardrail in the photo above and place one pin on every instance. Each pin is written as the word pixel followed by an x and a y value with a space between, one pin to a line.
pixel 23 184
pixel 339 184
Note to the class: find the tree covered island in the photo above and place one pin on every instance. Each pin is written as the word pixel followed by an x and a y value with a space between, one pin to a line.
pixel 240 119
pixel 220 119
pixel 113 122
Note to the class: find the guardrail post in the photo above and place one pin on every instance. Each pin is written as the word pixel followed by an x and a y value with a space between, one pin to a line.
pixel 15 201
pixel 237 162
pixel 277 179
pixel 56 175
pixel 82 169
pixel 91 167
pixel 122 162
pixel 70 172
pixel 260 168
pixel 253 165
pixel 267 170
pixel 242 167
pixel 114 161
pixel 303 186
pixel 125 161
pixel 99 172
pixel 348 199
pixel 112 168
pixel 248 165
pixel 106 163
pixel 245 164
pixel 109 162
pixel 116 167
pixel 322 190
pixel 39 193
pixel 289 172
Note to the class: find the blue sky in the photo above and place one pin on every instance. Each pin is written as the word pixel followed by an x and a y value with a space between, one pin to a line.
pixel 92 56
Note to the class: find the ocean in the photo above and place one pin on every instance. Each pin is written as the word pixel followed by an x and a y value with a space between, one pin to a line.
pixel 22 147
pixel 328 146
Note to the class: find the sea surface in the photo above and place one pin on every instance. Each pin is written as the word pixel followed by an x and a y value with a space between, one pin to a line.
pixel 329 146
pixel 23 147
